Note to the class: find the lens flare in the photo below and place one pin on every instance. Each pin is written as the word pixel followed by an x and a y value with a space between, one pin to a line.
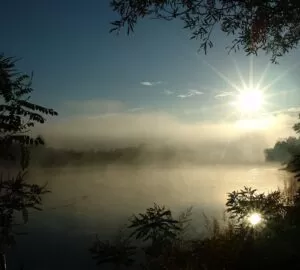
pixel 254 219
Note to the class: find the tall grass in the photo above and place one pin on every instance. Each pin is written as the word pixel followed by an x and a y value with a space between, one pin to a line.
pixel 157 240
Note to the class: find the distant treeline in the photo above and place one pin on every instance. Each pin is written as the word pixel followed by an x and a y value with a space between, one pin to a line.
pixel 52 157
pixel 283 150
pixel 43 156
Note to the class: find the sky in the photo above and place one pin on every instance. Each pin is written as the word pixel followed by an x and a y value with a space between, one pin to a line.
pixel 152 83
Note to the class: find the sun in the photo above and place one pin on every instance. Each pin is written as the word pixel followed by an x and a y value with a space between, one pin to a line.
pixel 254 219
pixel 250 101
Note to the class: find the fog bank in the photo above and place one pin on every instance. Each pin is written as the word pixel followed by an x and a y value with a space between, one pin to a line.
pixel 158 130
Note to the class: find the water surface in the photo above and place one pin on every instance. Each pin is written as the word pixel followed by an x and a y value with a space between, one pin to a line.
pixel 89 200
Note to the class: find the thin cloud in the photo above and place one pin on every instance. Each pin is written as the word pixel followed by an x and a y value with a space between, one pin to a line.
pixel 168 92
pixel 190 93
pixel 224 94
pixel 294 109
pixel 147 83
pixel 287 111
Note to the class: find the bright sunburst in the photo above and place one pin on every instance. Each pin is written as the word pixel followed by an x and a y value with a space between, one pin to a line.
pixel 250 101
pixel 254 219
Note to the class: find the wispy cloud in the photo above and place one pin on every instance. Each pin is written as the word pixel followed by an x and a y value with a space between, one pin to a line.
pixel 224 94
pixel 168 92
pixel 294 109
pixel 288 111
pixel 147 83
pixel 190 93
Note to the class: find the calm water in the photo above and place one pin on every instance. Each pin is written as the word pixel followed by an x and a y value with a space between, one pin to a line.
pixel 86 201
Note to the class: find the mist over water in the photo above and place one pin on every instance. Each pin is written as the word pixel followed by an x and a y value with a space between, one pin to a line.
pixel 89 200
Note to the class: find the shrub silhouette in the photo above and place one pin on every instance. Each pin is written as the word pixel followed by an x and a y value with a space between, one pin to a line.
pixel 120 253
pixel 156 224
pixel 234 244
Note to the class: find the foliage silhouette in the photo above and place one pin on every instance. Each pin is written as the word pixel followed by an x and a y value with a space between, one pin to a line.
pixel 234 244
pixel 283 150
pixel 156 224
pixel 288 152
pixel 120 254
pixel 242 203
pixel 293 165
pixel 17 117
pixel 267 25
pixel 16 195
pixel 17 114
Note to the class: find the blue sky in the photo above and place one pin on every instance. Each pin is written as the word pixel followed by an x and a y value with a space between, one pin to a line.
pixel 80 68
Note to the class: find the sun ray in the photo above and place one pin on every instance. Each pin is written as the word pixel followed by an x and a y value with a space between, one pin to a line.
pixel 268 86
pixel 226 116
pixel 240 74
pixel 251 72
pixel 262 77
pixel 225 78
pixel 249 104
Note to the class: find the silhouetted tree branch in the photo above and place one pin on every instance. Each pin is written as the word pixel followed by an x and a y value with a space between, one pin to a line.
pixel 272 26
pixel 17 117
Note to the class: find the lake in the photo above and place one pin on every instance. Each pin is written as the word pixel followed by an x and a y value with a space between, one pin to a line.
pixel 89 200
